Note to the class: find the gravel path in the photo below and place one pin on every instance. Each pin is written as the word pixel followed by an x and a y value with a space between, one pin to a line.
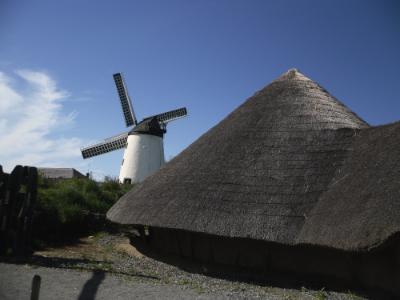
pixel 15 283
pixel 60 284
pixel 96 269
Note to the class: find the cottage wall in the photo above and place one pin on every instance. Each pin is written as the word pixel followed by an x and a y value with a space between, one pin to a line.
pixel 375 269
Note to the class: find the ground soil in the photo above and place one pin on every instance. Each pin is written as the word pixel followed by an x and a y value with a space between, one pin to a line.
pixel 105 266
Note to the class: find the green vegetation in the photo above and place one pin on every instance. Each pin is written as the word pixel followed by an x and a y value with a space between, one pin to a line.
pixel 70 208
pixel 321 294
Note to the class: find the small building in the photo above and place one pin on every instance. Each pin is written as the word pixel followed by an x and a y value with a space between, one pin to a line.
pixel 291 181
pixel 60 173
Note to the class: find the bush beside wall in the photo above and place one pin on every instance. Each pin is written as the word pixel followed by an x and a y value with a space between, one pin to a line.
pixel 73 207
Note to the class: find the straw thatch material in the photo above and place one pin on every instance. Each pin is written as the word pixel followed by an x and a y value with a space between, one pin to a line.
pixel 291 165
pixel 361 208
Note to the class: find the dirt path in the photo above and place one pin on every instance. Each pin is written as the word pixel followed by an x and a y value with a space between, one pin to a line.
pixel 108 267
pixel 15 283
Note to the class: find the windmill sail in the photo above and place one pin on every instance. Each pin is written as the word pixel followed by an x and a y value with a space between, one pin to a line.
pixel 108 145
pixel 143 143
pixel 127 109
pixel 170 115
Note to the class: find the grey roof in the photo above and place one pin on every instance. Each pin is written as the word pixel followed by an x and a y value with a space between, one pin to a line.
pixel 267 171
pixel 60 173
pixel 149 126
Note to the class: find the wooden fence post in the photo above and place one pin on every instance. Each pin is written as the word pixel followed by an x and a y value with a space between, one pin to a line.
pixel 18 192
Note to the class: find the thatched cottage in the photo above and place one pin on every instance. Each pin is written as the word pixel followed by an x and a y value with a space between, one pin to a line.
pixel 291 181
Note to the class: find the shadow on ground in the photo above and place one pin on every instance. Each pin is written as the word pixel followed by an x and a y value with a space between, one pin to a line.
pixel 96 266
pixel 273 278
pixel 91 286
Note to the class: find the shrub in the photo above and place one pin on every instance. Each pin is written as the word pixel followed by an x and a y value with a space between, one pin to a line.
pixel 70 208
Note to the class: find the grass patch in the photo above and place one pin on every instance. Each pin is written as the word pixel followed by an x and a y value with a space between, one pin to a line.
pixel 71 208
pixel 321 294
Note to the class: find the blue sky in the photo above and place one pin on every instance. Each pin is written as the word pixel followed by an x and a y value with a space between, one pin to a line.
pixel 207 55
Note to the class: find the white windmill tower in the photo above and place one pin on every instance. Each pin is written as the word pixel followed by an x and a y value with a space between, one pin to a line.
pixel 143 143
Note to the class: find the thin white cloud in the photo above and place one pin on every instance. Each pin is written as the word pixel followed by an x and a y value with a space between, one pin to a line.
pixel 32 120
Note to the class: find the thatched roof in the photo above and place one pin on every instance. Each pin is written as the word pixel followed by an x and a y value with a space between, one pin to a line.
pixel 361 208
pixel 269 171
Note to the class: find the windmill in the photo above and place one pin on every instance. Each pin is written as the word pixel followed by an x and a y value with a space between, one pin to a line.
pixel 143 143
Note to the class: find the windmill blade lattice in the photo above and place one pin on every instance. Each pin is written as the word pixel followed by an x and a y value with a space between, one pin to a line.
pixel 170 115
pixel 127 108
pixel 110 144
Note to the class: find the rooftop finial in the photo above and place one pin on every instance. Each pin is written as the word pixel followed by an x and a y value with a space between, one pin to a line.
pixel 292 73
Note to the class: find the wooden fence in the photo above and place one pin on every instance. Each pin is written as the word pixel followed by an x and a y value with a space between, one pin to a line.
pixel 17 200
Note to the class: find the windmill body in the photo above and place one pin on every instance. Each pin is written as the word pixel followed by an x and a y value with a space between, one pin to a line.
pixel 144 145
pixel 143 156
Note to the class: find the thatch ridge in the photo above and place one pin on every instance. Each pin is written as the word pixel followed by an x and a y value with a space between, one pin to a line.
pixel 259 173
